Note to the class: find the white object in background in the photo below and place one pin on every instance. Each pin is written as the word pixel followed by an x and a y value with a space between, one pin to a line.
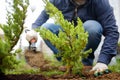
pixel 3 12
pixel 1 34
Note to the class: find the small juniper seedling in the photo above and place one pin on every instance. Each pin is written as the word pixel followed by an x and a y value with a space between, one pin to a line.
pixel 71 41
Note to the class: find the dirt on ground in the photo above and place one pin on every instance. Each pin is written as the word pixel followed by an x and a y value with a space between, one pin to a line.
pixel 110 76
pixel 37 60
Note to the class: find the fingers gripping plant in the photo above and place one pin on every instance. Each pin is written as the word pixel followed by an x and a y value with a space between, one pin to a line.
pixel 71 41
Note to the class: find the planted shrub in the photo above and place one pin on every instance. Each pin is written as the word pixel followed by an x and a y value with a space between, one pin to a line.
pixel 71 41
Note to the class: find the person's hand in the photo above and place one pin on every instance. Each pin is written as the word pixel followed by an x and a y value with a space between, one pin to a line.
pixel 99 69
pixel 31 34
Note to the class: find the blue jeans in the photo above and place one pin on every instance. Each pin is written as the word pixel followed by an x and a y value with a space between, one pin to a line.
pixel 94 30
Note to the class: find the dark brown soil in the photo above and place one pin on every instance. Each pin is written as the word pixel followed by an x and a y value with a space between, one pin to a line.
pixel 37 60
pixel 23 77
pixel 110 76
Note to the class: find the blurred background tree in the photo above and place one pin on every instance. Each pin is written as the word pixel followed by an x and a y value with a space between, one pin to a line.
pixel 12 31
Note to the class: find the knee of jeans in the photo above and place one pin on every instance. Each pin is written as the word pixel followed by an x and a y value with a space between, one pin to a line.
pixel 52 27
pixel 47 25
pixel 93 26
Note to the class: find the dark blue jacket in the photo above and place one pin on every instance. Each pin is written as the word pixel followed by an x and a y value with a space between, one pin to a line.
pixel 99 10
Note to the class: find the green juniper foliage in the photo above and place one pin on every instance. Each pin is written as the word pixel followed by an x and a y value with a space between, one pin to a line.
pixel 15 22
pixel 115 67
pixel 12 31
pixel 71 41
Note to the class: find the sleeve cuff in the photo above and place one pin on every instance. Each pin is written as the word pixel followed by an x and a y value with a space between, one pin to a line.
pixel 105 58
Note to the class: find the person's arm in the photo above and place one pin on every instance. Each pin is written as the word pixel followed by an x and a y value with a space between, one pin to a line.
pixel 42 18
pixel 105 15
